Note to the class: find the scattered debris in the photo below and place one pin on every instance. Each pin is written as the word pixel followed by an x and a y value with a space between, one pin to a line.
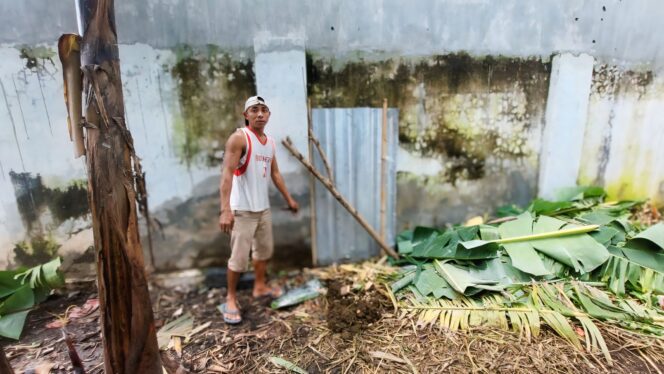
pixel 310 290
pixel 173 332
pixel 287 365
pixel 302 335
pixel 74 313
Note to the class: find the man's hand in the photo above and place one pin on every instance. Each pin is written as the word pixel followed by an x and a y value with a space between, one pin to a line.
pixel 293 206
pixel 226 221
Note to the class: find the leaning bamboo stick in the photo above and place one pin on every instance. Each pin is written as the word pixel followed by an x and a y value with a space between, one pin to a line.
pixel 326 182
pixel 322 154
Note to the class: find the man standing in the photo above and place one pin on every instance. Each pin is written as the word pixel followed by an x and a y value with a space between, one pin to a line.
pixel 249 160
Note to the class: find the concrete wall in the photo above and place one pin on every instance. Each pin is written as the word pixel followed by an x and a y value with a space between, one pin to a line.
pixel 481 108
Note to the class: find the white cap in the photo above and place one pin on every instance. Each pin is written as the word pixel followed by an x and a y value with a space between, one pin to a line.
pixel 254 100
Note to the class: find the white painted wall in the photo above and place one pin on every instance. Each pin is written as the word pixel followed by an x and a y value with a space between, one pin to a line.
pixel 566 114
pixel 610 30
pixel 281 80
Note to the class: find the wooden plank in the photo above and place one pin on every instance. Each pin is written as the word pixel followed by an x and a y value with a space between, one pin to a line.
pixel 383 174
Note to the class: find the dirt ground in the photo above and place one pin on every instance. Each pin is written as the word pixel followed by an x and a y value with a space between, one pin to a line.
pixel 345 331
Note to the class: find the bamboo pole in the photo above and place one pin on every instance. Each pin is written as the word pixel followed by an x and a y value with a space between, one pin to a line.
pixel 312 188
pixel 328 184
pixel 322 154
pixel 383 174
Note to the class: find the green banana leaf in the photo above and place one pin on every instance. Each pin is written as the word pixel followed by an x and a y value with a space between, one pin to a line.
pixel 457 243
pixel 580 252
pixel 21 290
pixel 579 193
pixel 631 269
pixel 430 282
pixel 523 254
pixel 13 311
pixel 651 238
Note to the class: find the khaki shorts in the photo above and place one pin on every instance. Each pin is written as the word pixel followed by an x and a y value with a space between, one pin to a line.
pixel 251 231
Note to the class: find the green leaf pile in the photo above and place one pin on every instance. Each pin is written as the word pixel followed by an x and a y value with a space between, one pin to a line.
pixel 571 261
pixel 20 290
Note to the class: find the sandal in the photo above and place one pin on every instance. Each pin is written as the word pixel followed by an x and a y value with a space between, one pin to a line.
pixel 273 293
pixel 223 308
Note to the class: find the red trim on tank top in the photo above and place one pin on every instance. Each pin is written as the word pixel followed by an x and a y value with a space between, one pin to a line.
pixel 243 168
pixel 258 137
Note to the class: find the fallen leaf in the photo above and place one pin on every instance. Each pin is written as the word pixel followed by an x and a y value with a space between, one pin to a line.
pixel 178 312
pixel 278 361
pixel 177 345
pixel 179 327
pixel 74 313
pixel 387 356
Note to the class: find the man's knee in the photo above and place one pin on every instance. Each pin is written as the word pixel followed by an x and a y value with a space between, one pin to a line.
pixel 238 264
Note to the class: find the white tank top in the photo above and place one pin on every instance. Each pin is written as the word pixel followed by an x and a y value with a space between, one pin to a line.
pixel 253 174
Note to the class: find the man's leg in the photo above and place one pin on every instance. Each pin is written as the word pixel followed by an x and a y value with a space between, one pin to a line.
pixel 260 283
pixel 263 249
pixel 241 239
pixel 233 278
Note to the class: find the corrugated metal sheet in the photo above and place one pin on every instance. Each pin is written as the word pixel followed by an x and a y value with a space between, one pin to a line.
pixel 351 139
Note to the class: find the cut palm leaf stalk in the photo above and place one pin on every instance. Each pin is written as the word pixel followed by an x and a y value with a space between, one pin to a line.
pixel 547 235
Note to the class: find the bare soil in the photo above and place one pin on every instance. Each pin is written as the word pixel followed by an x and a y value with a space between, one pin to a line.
pixel 349 312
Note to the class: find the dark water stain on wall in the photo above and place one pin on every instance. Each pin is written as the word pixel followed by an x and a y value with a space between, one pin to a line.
pixel 33 199
pixel 36 251
pixel 610 81
pixel 189 234
pixel 212 87
pixel 450 106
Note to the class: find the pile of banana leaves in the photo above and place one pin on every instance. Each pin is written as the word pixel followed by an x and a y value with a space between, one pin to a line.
pixel 563 263
pixel 21 290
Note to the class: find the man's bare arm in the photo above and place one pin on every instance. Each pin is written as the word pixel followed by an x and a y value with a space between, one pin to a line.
pixel 232 154
pixel 281 186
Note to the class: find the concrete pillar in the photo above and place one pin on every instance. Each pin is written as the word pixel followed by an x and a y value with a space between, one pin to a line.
pixel 566 117
pixel 281 80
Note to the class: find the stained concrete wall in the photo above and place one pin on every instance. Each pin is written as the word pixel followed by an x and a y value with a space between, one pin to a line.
pixel 471 79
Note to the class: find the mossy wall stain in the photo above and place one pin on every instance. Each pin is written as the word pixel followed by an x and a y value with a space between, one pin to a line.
pixel 212 86
pixel 619 143
pixel 33 198
pixel 458 108
pixel 36 251
pixel 36 57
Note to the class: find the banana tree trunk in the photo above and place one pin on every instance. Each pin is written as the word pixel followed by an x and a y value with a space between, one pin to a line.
pixel 129 336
